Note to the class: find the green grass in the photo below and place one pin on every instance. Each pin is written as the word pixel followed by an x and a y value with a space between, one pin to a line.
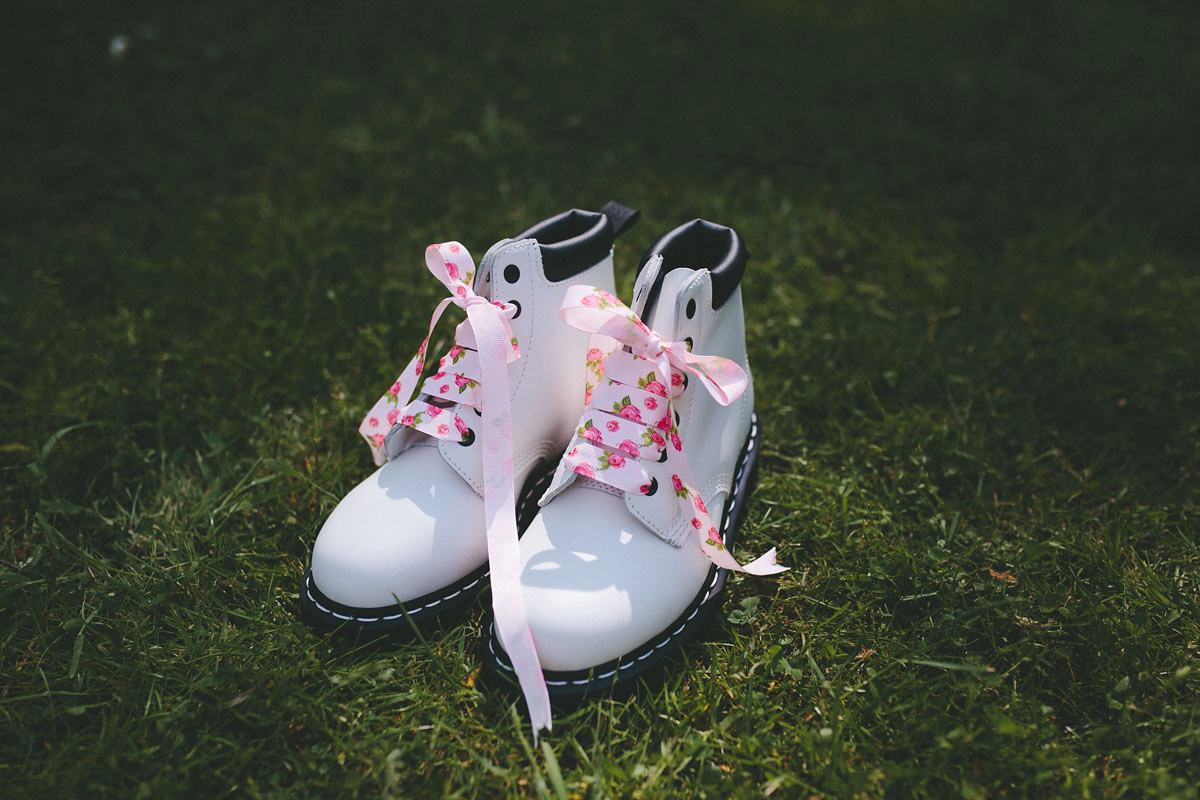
pixel 973 329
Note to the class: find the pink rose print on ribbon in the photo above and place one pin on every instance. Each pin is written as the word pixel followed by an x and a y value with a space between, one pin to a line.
pixel 664 424
pixel 678 484
pixel 645 489
pixel 591 434
pixel 407 419
pixel 452 270
pixel 696 523
pixel 590 300
pixel 656 387
pixel 461 291
pixel 676 379
pixel 595 354
pixel 631 412
pixel 454 248
pixel 443 429
pixel 378 439
pixel 650 403
pixel 433 410
pixel 461 380
pixel 445 387
pixel 657 438
pixel 615 461
pixel 700 505
pixel 391 417
pixel 461 426
pixel 437 376
pixel 714 536
pixel 585 470
pixel 675 442
pixel 455 352
pixel 612 425
pixel 373 422
pixel 395 390
pixel 629 447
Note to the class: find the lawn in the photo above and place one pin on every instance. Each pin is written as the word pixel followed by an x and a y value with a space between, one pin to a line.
pixel 973 326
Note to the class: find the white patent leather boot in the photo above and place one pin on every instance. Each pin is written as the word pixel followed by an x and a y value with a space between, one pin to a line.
pixel 411 540
pixel 628 554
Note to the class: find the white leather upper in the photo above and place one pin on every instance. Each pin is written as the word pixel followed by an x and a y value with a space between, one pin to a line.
pixel 712 434
pixel 417 524
pixel 599 572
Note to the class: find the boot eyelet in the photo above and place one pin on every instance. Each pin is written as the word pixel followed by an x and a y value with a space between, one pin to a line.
pixel 653 487
pixel 478 412
pixel 676 419
pixel 688 340
pixel 514 303
pixel 469 439
pixel 685 381
pixel 691 308
pixel 662 456
pixel 512 273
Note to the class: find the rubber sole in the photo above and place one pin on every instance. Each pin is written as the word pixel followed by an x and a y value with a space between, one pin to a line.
pixel 399 619
pixel 613 675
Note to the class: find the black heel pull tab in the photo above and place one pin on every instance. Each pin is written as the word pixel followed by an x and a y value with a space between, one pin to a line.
pixel 621 217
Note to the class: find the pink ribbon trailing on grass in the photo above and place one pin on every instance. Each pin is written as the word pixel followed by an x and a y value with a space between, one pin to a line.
pixel 485 349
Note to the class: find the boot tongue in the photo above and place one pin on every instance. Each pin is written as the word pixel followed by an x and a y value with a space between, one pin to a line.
pixel 646 277
pixel 662 318
pixel 484 278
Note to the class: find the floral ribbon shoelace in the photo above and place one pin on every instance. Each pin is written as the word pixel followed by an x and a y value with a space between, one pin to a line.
pixel 458 378
pixel 629 418
pixel 474 373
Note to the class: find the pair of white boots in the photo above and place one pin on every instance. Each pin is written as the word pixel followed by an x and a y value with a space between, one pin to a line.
pixel 617 443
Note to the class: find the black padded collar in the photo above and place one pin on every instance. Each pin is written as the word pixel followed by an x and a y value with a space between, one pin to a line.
pixel 575 240
pixel 700 244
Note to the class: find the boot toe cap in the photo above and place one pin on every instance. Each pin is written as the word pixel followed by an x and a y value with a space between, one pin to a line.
pixel 411 528
pixel 597 584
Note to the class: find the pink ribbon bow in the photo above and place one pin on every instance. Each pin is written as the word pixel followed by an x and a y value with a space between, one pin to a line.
pixel 451 264
pixel 598 312
pixel 490 334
